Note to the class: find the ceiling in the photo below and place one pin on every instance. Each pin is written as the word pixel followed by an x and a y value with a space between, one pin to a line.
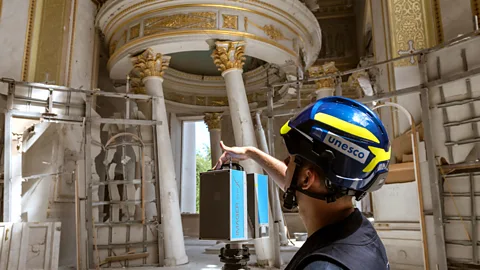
pixel 201 63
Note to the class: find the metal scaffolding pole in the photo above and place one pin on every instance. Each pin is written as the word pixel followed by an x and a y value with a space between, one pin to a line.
pixel 433 171
pixel 449 43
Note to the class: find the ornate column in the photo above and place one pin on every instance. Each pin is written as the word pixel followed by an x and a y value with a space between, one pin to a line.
pixel 149 67
pixel 229 58
pixel 213 121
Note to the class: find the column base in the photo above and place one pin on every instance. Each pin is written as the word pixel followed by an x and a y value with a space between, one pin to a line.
pixel 175 262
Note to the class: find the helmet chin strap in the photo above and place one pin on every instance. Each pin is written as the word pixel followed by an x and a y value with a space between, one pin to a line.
pixel 290 199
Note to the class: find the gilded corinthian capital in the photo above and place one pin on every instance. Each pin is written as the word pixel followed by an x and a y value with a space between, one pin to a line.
pixel 213 120
pixel 229 54
pixel 149 64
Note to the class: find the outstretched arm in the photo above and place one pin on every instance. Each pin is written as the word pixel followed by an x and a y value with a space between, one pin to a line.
pixel 275 168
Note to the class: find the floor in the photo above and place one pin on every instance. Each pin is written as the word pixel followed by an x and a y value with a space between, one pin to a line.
pixel 201 260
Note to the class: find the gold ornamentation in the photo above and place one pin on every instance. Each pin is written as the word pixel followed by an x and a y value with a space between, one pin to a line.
pixel 126 47
pixel 230 21
pixel 113 47
pixel 51 56
pixel 218 101
pixel 213 120
pixel 438 21
pixel 326 69
pixel 239 9
pixel 135 31
pixel 245 23
pixel 139 90
pixel 200 101
pixel 149 64
pixel 198 20
pixel 28 42
pixel 146 3
pixel 273 32
pixel 177 97
pixel 229 54
pixel 409 24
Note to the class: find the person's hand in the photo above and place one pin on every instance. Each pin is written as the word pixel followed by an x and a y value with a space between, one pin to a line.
pixel 231 153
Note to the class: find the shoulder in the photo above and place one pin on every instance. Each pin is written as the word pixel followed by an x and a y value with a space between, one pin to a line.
pixel 322 265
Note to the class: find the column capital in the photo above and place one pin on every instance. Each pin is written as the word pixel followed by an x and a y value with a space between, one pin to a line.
pixel 325 69
pixel 229 55
pixel 213 120
pixel 148 64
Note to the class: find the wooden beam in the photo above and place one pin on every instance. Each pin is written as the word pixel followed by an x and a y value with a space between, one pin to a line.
pixel 125 257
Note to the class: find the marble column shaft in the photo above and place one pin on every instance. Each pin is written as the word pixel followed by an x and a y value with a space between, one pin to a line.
pixel 150 67
pixel 229 58
pixel 213 122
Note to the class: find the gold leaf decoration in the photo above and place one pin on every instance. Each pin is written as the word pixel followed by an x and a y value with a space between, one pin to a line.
pixel 135 32
pixel 229 54
pixel 273 32
pixel 149 64
pixel 409 27
pixel 230 21
pixel 113 46
pixel 318 71
pixel 213 120
pixel 198 20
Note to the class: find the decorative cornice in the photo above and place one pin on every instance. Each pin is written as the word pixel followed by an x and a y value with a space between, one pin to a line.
pixel 213 120
pixel 325 69
pixel 149 64
pixel 72 42
pixel 28 40
pixel 229 55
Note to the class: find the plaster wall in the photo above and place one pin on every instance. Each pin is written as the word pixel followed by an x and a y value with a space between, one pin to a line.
pixel 13 27
pixel 48 194
pixel 457 18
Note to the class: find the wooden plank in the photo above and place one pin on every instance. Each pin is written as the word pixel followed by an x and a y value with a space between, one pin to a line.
pixel 402 145
pixel 401 173
pixel 125 257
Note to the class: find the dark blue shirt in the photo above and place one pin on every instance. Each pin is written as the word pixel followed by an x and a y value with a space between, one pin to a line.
pixel 322 265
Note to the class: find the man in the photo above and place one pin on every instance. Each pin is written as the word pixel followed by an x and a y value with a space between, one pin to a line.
pixel 339 150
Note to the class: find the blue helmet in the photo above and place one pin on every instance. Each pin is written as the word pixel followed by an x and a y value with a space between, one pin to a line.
pixel 346 140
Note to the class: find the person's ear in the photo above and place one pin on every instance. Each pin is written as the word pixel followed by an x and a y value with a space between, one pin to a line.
pixel 309 179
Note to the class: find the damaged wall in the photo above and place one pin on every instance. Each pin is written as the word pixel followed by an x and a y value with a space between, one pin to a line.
pixel 48 193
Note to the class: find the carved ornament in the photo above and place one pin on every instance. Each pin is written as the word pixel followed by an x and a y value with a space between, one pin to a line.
pixel 135 32
pixel 199 20
pixel 149 64
pixel 229 54
pixel 213 120
pixel 271 31
pixel 230 21
pixel 410 27
pixel 326 69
